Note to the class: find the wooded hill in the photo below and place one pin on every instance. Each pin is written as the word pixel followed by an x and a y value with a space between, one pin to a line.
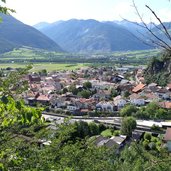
pixel 14 34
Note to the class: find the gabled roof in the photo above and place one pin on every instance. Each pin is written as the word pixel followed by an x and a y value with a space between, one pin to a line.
pixel 111 143
pixel 167 136
pixel 43 98
pixel 118 139
pixel 135 96
pixel 138 88
pixel 100 140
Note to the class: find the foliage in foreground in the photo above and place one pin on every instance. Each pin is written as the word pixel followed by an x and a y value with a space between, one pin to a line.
pixel 71 146
pixel 69 149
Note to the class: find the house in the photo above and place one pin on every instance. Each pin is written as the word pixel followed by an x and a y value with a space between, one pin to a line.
pixel 35 87
pixel 106 106
pixel 125 87
pixel 138 88
pixel 57 102
pixel 100 140
pixel 119 102
pixel 102 94
pixel 137 99
pixel 72 107
pixel 167 139
pixel 87 103
pixel 150 97
pixel 47 89
pixel 30 98
pixel 165 104
pixel 163 93
pixel 43 99
pixel 117 78
pixel 118 141
pixel 34 78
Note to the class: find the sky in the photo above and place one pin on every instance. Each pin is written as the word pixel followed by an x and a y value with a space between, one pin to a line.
pixel 34 11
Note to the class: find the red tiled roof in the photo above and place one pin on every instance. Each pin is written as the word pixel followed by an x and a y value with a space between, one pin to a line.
pixel 43 98
pixel 151 96
pixel 166 105
pixel 167 136
pixel 135 96
pixel 138 88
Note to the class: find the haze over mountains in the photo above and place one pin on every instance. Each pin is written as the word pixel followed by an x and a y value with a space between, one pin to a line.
pixel 14 34
pixel 73 35
pixel 92 36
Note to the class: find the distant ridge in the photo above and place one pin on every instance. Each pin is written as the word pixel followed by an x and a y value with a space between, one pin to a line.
pixel 92 36
pixel 14 33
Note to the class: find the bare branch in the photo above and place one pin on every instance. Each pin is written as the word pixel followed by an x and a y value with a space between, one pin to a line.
pixel 160 42
pixel 165 29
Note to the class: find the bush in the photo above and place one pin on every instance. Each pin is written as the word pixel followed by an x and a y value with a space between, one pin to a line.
pixel 155 127
pixel 147 136
pixel 145 144
pixel 116 133
pixel 128 125
pixel 128 110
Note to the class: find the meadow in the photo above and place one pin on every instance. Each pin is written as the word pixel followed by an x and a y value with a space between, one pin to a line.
pixel 48 66
pixel 52 61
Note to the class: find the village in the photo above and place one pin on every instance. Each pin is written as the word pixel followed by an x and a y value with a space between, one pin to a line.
pixel 100 92
pixel 88 90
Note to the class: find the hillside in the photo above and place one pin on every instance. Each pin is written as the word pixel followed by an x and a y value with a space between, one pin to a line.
pixel 159 70
pixel 14 34
pixel 92 36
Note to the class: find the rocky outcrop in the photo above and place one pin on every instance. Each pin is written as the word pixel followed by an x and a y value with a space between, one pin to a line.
pixel 159 70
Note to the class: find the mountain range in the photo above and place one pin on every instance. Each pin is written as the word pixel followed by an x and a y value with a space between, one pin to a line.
pixel 92 36
pixel 14 34
pixel 74 35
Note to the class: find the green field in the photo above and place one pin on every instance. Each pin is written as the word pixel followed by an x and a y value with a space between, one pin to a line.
pixel 42 57
pixel 47 66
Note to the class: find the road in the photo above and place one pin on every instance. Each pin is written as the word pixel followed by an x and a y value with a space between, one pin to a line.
pixel 115 121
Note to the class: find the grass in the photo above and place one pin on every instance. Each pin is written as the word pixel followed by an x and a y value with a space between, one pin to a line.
pixel 48 66
pixel 32 55
pixel 107 133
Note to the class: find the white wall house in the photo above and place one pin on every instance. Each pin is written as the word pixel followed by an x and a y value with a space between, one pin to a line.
pixel 138 102
pixel 137 99
pixel 105 106
pixel 72 107
pixel 119 102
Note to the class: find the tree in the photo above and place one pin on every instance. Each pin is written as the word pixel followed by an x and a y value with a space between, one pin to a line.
pixel 65 90
pixel 73 89
pixel 128 110
pixel 128 125
pixel 87 85
pixel 43 72
pixel 147 136
pixel 114 92
pixel 126 94
pixel 93 129
pixel 4 9
pixel 13 84
pixel 85 94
